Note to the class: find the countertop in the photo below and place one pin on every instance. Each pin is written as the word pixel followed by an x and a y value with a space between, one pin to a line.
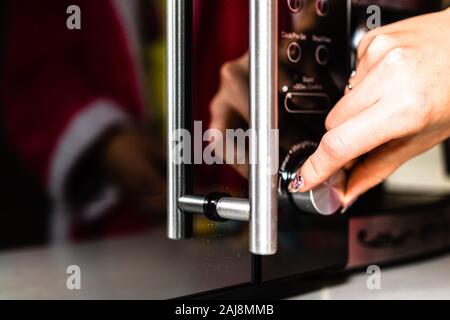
pixel 426 279
pixel 125 269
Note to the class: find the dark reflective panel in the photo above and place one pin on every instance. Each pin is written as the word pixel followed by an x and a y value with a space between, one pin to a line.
pixel 83 153
pixel 310 83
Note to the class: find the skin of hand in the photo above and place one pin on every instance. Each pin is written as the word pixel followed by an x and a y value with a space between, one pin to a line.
pixel 398 108
pixel 136 163
pixel 229 108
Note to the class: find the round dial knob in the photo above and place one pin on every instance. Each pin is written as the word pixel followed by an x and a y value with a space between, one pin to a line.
pixel 326 199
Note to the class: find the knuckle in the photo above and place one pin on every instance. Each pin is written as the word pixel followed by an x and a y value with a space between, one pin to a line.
pixel 313 169
pixel 364 42
pixel 413 111
pixel 380 44
pixel 214 106
pixel 229 71
pixel 419 114
pixel 382 40
pixel 333 145
pixel 370 34
pixel 226 71
pixel 396 57
pixel 370 51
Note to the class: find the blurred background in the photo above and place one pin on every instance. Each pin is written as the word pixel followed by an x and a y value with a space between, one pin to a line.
pixel 82 120
pixel 82 144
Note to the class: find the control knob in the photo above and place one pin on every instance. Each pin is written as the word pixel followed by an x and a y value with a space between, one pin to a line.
pixel 326 199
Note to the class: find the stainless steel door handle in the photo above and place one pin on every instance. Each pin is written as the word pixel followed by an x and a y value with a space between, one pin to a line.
pixel 262 207
pixel 264 125
pixel 176 55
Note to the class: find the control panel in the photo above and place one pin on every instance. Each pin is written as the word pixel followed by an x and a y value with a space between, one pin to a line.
pixel 313 54
pixel 314 64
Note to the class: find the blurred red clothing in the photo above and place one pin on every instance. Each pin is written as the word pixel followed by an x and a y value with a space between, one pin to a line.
pixel 220 34
pixel 52 74
pixel 63 88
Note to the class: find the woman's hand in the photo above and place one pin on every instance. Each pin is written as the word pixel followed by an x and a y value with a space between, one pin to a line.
pixel 398 108
pixel 229 109
pixel 137 162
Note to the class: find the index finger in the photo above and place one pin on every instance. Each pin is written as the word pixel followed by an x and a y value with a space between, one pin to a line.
pixel 355 137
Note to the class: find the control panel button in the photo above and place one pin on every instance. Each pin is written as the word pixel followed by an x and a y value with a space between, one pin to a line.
pixel 295 5
pixel 294 52
pixel 322 7
pixel 302 102
pixel 322 55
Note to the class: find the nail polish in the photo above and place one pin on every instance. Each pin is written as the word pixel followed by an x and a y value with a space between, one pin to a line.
pixel 296 184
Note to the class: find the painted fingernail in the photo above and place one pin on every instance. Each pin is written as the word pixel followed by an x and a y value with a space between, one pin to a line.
pixel 353 74
pixel 348 206
pixel 297 184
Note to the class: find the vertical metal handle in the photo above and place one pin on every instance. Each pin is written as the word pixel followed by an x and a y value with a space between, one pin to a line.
pixel 264 124
pixel 177 111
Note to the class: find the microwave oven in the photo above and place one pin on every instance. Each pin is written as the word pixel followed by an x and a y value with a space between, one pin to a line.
pixel 301 55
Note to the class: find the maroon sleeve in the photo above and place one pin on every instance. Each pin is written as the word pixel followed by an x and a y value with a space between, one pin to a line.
pixel 221 34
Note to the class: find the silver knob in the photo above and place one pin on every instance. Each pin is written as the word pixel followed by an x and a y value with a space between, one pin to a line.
pixel 325 200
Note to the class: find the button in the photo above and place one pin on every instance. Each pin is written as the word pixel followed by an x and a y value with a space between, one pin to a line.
pixel 295 5
pixel 322 7
pixel 300 102
pixel 322 55
pixel 294 52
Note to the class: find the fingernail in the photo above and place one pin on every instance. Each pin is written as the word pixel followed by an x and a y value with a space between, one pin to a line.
pixel 296 184
pixel 348 206
pixel 353 74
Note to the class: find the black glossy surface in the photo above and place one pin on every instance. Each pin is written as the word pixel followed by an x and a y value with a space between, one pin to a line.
pixel 309 243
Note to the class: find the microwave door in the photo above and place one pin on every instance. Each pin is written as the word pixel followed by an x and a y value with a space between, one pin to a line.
pixel 204 204
pixel 259 208
pixel 206 199
pixel 213 254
